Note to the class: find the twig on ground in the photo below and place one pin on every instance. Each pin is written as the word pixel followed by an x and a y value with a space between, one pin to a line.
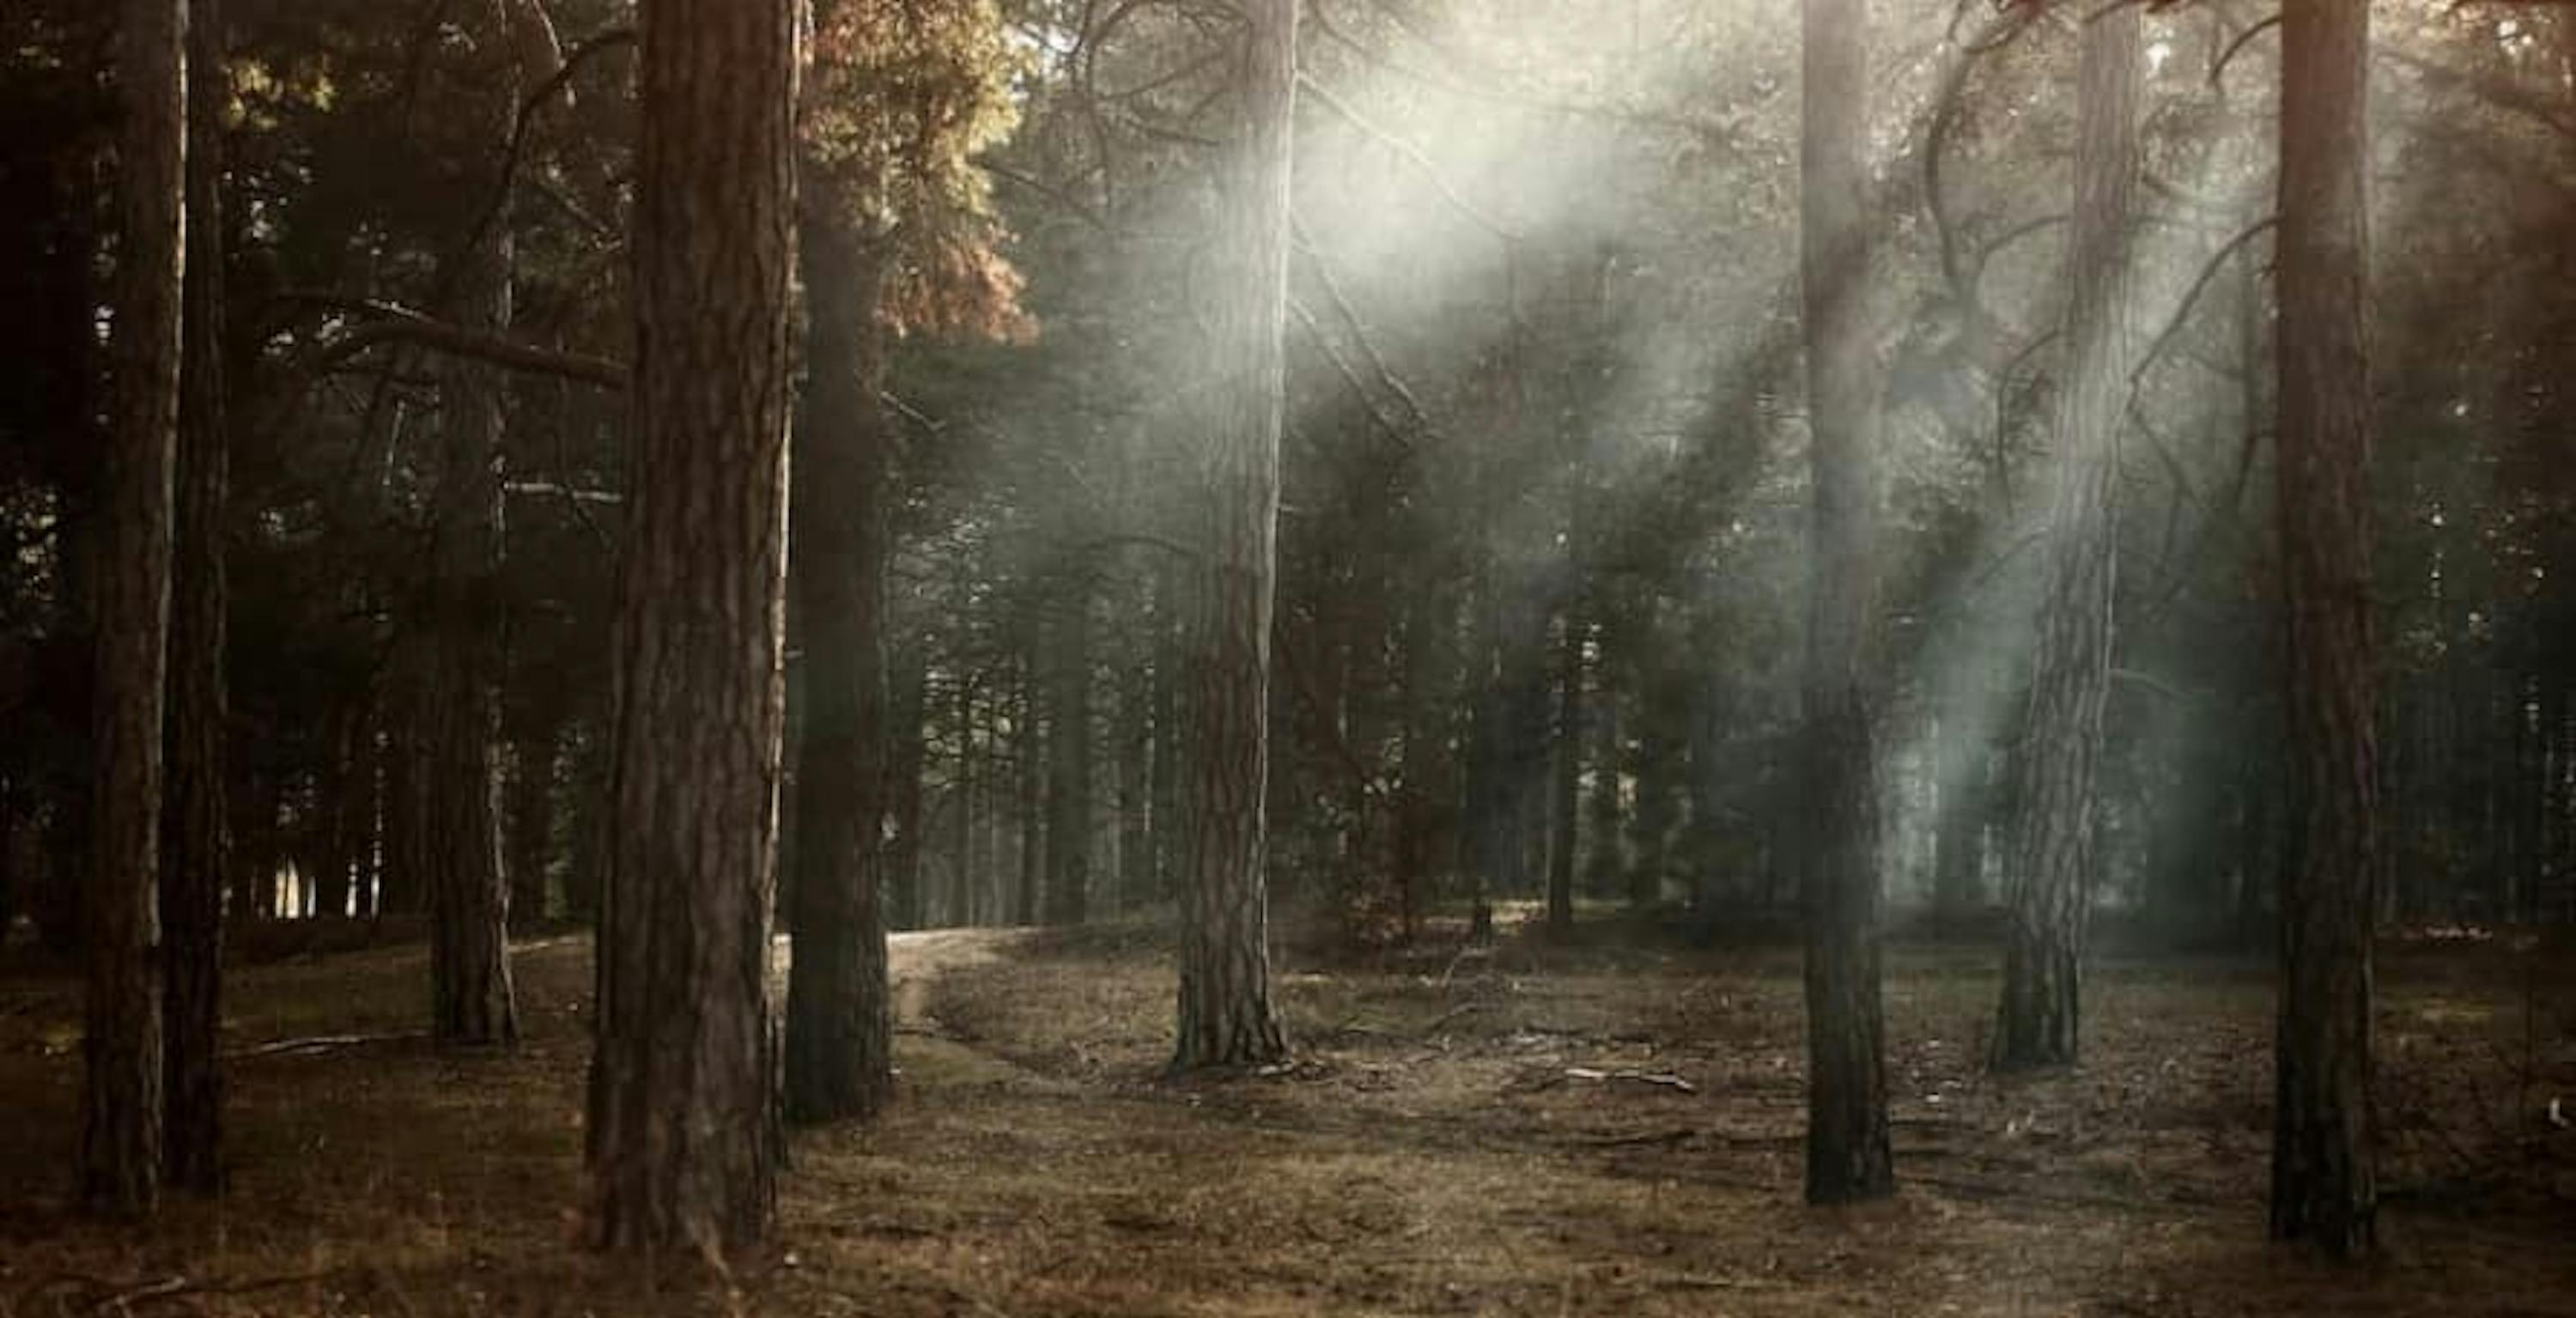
pixel 1633 1077
pixel 322 1043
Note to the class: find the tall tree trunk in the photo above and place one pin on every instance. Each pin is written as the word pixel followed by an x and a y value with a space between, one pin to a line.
pixel 121 1133
pixel 195 843
pixel 2051 858
pixel 1847 1142
pixel 684 1143
pixel 838 1026
pixel 2323 1186
pixel 1226 1017
pixel 472 1002
pixel 1068 794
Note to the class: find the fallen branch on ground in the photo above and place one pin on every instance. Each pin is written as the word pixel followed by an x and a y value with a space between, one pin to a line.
pixel 321 1043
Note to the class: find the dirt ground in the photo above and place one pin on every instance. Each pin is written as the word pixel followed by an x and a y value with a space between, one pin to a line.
pixel 1528 1130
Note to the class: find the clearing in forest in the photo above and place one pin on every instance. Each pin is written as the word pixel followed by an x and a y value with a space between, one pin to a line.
pixel 1525 1129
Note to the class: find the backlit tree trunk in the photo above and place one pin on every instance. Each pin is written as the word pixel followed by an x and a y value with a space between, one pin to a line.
pixel 683 1142
pixel 1226 1016
pixel 121 1130
pixel 472 1003
pixel 838 1027
pixel 195 844
pixel 1847 1141
pixel 2323 1187
pixel 2050 876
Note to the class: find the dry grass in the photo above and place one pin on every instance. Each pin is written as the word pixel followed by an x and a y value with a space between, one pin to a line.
pixel 1530 1130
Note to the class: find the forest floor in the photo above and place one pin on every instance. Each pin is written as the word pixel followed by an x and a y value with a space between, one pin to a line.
pixel 1527 1129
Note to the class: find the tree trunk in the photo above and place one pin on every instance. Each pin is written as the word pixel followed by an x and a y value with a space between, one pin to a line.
pixel 121 1133
pixel 1068 794
pixel 838 1027
pixel 1226 1018
pixel 472 1002
pixel 2322 1153
pixel 1959 837
pixel 1607 862
pixel 195 843
pixel 1847 1139
pixel 1029 757
pixel 683 1143
pixel 536 757
pixel 1567 803
pixel 1135 755
pixel 2050 862
pixel 904 897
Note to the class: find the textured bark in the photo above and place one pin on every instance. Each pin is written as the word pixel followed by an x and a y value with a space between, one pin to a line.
pixel 2049 866
pixel 2323 1187
pixel 1068 794
pixel 1847 1136
pixel 121 1131
pixel 1226 1017
pixel 684 1142
pixel 195 842
pixel 472 1002
pixel 838 1027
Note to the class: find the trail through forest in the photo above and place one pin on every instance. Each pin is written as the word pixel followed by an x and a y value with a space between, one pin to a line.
pixel 1522 1129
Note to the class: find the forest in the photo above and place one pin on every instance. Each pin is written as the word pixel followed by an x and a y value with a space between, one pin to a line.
pixel 1256 657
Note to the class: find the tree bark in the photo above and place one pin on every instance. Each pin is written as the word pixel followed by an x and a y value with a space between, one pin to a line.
pixel 2050 863
pixel 2323 1187
pixel 196 838
pixel 839 1030
pixel 122 1127
pixel 684 1142
pixel 1226 1017
pixel 1847 1133
pixel 472 1001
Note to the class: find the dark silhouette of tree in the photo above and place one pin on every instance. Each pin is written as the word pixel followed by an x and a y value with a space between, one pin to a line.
pixel 683 1140
pixel 122 1113
pixel 473 1003
pixel 196 818
pixel 2323 1185
pixel 1847 1140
